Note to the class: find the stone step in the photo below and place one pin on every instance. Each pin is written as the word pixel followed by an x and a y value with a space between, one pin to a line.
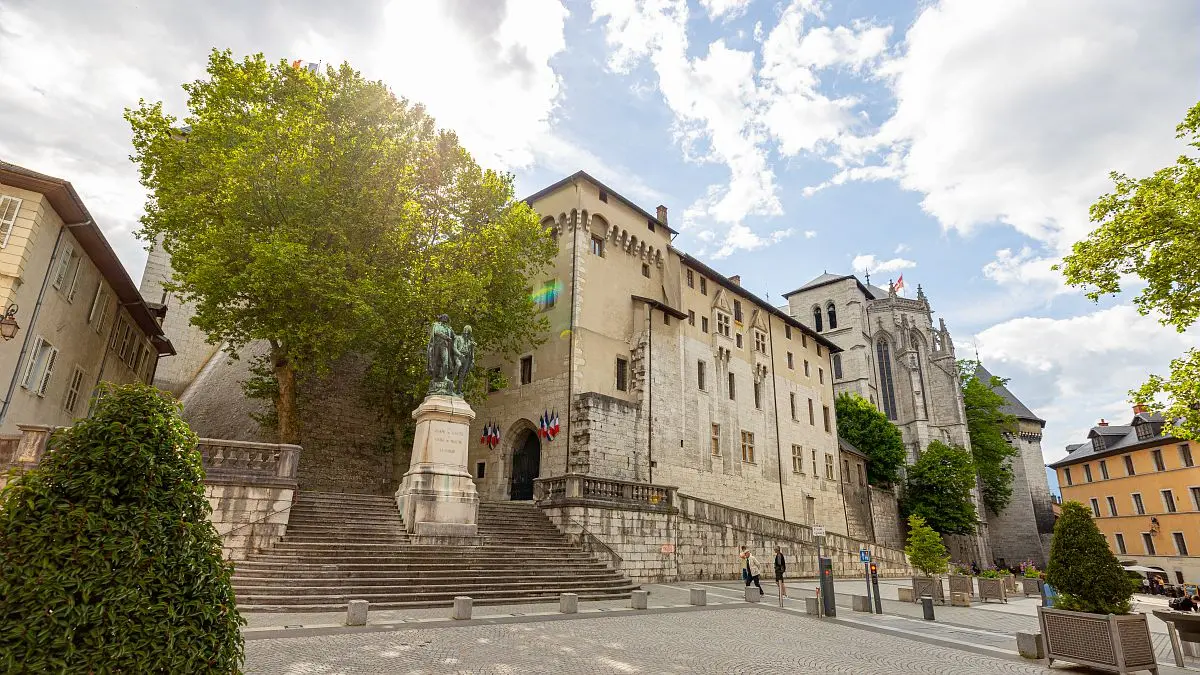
pixel 343 558
pixel 240 581
pixel 336 513
pixel 514 573
pixel 550 591
pixel 459 586
pixel 349 500
pixel 489 600
pixel 432 550
pixel 303 568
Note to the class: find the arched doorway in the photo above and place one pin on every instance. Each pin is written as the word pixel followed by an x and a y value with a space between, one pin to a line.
pixel 526 464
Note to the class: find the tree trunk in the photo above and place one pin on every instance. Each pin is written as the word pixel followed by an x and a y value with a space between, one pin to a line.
pixel 285 400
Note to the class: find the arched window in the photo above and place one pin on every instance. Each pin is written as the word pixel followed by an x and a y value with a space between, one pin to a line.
pixel 817 319
pixel 919 344
pixel 887 389
pixel 832 316
pixel 837 366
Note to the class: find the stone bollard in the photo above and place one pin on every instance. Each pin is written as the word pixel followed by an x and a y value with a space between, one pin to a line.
pixel 860 603
pixel 812 606
pixel 960 599
pixel 753 594
pixel 905 594
pixel 639 599
pixel 1029 645
pixel 462 608
pixel 699 597
pixel 568 603
pixel 356 613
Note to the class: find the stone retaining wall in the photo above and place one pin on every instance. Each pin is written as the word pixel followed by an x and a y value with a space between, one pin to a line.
pixel 249 518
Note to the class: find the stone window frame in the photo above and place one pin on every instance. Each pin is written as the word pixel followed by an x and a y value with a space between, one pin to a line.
pixel 480 470
pixel 622 373
pixel 818 319
pixel 1157 456
pixel 1112 505
pixel 526 372
pixel 760 341
pixel 1139 506
pixel 645 270
pixel 738 340
pixel 714 440
pixel 1148 543
pixel 702 375
pixel 1095 504
pixel 1087 473
pixel 703 286
pixel 1194 492
pixel 812 417
pixel 1103 469
pixel 1067 476
pixel 1167 495
pixel 837 366
pixel 792 404
pixel 1119 540
pixel 845 470
pixel 791 361
pixel 831 313
pixel 807 372
pixel 691 279
pixel 821 375
pixel 704 324
pixel 1129 468
pixel 825 417
pixel 1180 542
pixel 747 447
pixel 732 387
pixel 691 318
pixel 797 459
pixel 787 332
pixel 830 470
pixel 758 394
pixel 1185 456
pixel 597 245
pixel 724 324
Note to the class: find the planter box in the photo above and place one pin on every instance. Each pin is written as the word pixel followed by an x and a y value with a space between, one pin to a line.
pixel 1010 584
pixel 962 583
pixel 1116 643
pixel 1031 586
pixel 931 586
pixel 992 589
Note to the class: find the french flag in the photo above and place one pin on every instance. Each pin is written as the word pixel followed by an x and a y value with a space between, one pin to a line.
pixel 494 436
pixel 554 427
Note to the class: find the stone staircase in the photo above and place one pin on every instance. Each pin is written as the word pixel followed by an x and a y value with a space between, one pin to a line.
pixel 342 547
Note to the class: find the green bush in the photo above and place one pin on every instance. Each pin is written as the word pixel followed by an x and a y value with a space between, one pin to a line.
pixel 1082 569
pixel 992 574
pixel 925 549
pixel 108 561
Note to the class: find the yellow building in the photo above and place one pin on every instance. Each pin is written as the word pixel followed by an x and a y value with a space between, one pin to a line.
pixel 1144 492
pixel 81 318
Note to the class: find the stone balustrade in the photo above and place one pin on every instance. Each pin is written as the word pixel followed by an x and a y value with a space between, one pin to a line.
pixel 576 489
pixel 243 462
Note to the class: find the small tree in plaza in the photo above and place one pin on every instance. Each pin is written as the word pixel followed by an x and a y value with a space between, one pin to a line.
pixel 1082 569
pixel 925 549
pixel 108 560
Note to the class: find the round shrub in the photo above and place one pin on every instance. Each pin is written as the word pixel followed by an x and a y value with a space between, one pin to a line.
pixel 108 561
pixel 1082 569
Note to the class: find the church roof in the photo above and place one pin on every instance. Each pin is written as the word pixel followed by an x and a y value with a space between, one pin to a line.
pixel 872 292
pixel 1013 405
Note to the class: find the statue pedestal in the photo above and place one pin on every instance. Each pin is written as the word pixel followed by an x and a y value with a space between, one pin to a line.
pixel 437 497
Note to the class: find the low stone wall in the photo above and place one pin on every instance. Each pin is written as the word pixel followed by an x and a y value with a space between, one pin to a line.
pixel 682 538
pixel 249 518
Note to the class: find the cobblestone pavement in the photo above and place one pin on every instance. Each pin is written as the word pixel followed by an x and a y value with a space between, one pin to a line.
pixel 723 641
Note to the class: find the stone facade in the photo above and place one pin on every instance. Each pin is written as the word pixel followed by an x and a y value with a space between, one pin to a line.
pixel 249 518
pixel 890 529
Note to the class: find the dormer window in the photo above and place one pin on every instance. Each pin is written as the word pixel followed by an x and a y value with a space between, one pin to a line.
pixel 723 324
pixel 1144 429
pixel 649 224
pixel 737 311
pixel 1098 443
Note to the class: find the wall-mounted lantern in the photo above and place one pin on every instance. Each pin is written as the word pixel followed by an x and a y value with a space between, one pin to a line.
pixel 8 324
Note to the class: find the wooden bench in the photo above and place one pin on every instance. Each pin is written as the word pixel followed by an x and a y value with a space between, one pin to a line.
pixel 1182 627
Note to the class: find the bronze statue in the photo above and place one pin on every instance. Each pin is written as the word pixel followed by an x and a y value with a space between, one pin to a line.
pixel 464 357
pixel 449 358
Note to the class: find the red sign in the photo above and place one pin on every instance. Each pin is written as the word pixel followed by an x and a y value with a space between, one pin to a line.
pixel 667 549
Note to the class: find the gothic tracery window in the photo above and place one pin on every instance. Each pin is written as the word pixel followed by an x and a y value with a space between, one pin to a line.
pixel 816 312
pixel 829 309
pixel 887 388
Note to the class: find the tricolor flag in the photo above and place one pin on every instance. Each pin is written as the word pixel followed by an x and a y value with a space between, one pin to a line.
pixel 495 435
pixel 899 283
pixel 314 68
pixel 542 429
pixel 554 427
pixel 486 436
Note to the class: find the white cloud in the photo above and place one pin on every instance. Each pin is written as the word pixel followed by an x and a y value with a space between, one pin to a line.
pixel 741 237
pixel 900 248
pixel 1074 371
pixel 869 263
pixel 725 9
pixel 809 234
pixel 1025 268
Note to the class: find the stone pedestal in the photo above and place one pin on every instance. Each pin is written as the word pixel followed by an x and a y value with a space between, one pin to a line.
pixel 437 497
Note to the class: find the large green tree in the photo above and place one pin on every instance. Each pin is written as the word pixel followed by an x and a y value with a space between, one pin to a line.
pixel 862 425
pixel 1150 228
pixel 987 425
pixel 939 489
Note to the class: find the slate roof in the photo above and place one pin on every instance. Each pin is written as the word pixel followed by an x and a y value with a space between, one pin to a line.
pixel 1118 438
pixel 846 447
pixel 1013 406
pixel 872 292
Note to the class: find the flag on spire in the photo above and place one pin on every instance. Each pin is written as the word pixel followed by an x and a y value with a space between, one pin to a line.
pixel 899 283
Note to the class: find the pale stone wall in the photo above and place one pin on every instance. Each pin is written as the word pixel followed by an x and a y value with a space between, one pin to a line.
pixel 890 529
pixel 249 518
pixel 191 344
pixel 1016 533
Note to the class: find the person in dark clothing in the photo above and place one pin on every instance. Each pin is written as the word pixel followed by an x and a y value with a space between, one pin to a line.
pixel 780 568
pixel 974 568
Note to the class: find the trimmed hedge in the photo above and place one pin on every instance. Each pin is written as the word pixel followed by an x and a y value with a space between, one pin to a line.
pixel 108 561
pixel 1082 569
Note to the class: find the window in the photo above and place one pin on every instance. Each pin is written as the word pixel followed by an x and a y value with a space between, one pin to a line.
pixel 758 395
pixel 1168 498
pixel 650 224
pixel 723 324
pixel 40 368
pixel 1185 455
pixel 845 471
pixel 62 266
pixel 1143 429
pixel 737 311
pixel 1103 469
pixel 828 466
pixel 666 318
pixel 74 387
pixel 597 246
pixel 1067 475
pixel 9 207
pixel 825 416
pixel 99 311
pixel 1195 497
pixel 526 369
pixel 731 388
pixel 703 286
pixel 1095 508
pixel 1138 507
pixel 548 295
pixel 816 313
pixel 804 340
pixel 1129 466
pixel 887 388
pixel 691 318
pixel 622 374
pixel 714 441
pixel 1098 443
pixel 480 469
pixel 760 342
pixel 1180 543
pixel 797 459
pixel 821 375
pixel 1158 460
pixel 862 478
pixel 1087 473
pixel 811 419
pixel 806 373
pixel 832 313
pixel 604 196
pixel 792 403
pixel 837 366
pixel 691 279
pixel 1148 542
pixel 748 447
pixel 1112 506
pixel 701 384
pixel 645 270
pixel 791 363
pixel 1120 539
pixel 739 340
pixel 787 332
pixel 71 281
pixel 494 380
pixel 814 464
pixel 819 350
pixel 704 324
pixel 126 340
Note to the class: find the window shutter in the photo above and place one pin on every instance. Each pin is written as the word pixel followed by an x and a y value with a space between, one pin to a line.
pixel 74 278
pixel 64 262
pixel 27 376
pixel 104 298
pixel 96 302
pixel 45 383
pixel 9 208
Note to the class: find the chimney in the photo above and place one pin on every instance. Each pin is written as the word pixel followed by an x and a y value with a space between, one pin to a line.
pixel 1139 408
pixel 1102 423
pixel 736 279
pixel 662 214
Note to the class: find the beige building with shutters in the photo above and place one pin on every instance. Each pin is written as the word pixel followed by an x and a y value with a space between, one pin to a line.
pixel 82 320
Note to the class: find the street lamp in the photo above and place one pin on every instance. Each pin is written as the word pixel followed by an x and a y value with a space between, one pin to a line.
pixel 8 324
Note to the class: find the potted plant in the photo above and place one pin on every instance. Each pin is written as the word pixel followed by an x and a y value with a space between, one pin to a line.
pixel 1090 623
pixel 961 581
pixel 992 586
pixel 1031 579
pixel 927 554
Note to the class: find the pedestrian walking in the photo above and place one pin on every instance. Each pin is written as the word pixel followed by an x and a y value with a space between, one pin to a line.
pixel 780 568
pixel 753 570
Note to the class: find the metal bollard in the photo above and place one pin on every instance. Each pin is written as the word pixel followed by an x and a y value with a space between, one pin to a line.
pixel 462 608
pixel 927 607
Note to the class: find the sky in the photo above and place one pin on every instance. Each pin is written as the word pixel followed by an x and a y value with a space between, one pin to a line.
pixel 956 142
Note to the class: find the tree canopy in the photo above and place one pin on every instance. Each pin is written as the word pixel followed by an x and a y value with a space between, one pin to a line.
pixel 1150 228
pixel 865 427
pixel 939 489
pixel 1082 569
pixel 322 214
pixel 987 426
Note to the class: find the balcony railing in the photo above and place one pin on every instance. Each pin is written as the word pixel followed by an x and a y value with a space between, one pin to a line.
pixel 574 488
pixel 246 462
